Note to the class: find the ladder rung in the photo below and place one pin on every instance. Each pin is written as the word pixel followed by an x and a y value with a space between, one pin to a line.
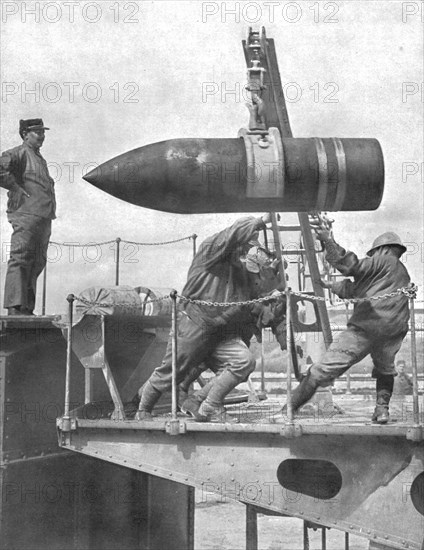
pixel 289 228
pixel 296 251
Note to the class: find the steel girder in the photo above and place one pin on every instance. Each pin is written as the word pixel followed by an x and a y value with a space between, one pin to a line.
pixel 371 486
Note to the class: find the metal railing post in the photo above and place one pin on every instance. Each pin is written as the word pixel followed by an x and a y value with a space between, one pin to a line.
pixel 265 238
pixel 415 403
pixel 194 237
pixel 173 296
pixel 348 390
pixel 323 538
pixel 43 302
pixel 289 356
pixel 305 536
pixel 118 242
pixel 262 361
pixel 66 417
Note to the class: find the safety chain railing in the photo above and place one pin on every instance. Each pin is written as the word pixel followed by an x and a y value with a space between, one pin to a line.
pixel 118 239
pixel 410 292
pixel 117 242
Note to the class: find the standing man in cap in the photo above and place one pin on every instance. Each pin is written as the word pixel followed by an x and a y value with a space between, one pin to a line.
pixel 377 327
pixel 31 208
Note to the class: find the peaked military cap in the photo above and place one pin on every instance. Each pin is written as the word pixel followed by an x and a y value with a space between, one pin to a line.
pixel 31 124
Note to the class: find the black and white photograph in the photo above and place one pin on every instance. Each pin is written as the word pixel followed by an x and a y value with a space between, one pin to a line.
pixel 211 278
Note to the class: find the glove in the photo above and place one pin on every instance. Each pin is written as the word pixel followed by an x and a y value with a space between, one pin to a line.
pixel 326 284
pixel 214 322
pixel 321 226
pixel 266 218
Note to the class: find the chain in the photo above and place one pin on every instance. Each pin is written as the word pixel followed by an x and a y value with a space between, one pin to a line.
pixel 77 245
pixel 409 291
pixel 161 243
pixel 275 296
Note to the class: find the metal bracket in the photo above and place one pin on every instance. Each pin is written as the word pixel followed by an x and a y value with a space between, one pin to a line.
pixel 175 427
pixel 265 164
pixel 118 415
pixel 66 424
pixel 300 326
pixel 290 431
pixel 415 433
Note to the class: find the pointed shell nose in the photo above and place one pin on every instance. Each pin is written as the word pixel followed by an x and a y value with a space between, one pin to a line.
pixel 94 176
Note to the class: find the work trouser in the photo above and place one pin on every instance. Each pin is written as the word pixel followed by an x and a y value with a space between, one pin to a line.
pixel 197 343
pixel 232 355
pixel 28 256
pixel 350 347
pixel 233 359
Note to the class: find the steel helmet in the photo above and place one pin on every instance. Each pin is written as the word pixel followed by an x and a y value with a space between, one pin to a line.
pixel 386 239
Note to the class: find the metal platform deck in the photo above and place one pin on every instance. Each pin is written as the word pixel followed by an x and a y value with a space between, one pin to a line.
pixel 332 468
pixel 348 415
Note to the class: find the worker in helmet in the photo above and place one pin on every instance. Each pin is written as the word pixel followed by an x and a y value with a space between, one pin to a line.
pixel 217 274
pixel 377 327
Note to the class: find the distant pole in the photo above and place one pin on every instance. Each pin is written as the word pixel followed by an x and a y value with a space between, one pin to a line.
pixel 251 528
pixel 118 242
pixel 305 536
pixel 323 538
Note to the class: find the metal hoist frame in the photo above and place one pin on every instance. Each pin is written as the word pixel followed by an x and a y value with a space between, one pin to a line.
pixel 268 119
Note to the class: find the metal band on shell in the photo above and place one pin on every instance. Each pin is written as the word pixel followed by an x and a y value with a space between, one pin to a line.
pixel 322 174
pixel 341 173
pixel 265 164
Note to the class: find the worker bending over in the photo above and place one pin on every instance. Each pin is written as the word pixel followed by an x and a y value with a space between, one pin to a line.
pixel 243 320
pixel 217 274
pixel 377 327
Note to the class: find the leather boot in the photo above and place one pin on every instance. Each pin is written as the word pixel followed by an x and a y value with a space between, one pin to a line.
pixel 192 404
pixel 148 398
pixel 303 392
pixel 212 407
pixel 15 311
pixel 191 407
pixel 191 377
pixel 384 393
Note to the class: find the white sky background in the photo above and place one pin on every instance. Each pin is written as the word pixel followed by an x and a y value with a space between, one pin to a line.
pixel 169 51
